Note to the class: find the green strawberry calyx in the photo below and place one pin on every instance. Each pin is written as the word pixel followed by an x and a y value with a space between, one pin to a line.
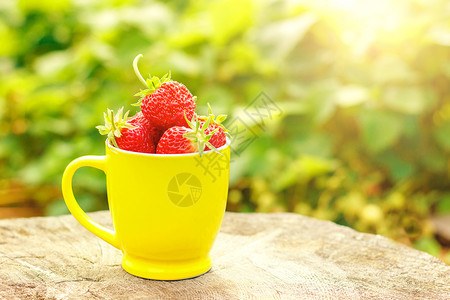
pixel 114 123
pixel 152 83
pixel 217 120
pixel 197 134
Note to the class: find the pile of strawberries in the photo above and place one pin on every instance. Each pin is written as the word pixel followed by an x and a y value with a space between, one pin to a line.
pixel 167 122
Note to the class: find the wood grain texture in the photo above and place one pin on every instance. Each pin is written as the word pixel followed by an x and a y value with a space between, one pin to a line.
pixel 279 256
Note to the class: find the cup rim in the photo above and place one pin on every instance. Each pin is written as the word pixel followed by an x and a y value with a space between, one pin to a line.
pixel 112 148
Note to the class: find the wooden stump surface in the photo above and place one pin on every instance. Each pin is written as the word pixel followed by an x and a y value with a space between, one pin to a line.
pixel 256 256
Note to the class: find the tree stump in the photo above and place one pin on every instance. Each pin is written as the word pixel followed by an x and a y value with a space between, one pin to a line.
pixel 255 256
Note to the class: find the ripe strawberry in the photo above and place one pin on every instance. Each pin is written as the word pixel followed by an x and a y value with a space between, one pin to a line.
pixel 173 141
pixel 168 104
pixel 179 139
pixel 219 137
pixel 154 132
pixel 132 134
pixel 165 102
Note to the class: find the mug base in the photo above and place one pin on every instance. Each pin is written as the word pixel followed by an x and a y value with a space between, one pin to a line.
pixel 165 270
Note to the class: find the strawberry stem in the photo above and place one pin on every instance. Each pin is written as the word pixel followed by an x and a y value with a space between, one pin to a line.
pixel 136 70
pixel 152 83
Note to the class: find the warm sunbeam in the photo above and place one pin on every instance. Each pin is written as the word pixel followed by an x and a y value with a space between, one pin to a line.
pixel 360 23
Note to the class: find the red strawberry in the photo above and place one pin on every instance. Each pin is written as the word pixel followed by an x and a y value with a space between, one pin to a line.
pixel 219 137
pixel 179 139
pixel 168 104
pixel 154 132
pixel 165 102
pixel 173 141
pixel 132 134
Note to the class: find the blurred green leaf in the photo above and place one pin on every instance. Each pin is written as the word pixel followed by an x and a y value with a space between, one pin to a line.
pixel 380 130
pixel 398 167
pixel 435 160
pixel 44 5
pixel 351 95
pixel 443 207
pixel 317 144
pixel 230 17
pixel 302 170
pixel 9 40
pixel 57 208
pixel 429 245
pixel 393 69
pixel 442 135
pixel 320 100
pixel 411 100
pixel 278 39
pixel 53 63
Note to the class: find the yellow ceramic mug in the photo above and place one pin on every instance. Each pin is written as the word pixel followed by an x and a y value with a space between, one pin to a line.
pixel 166 209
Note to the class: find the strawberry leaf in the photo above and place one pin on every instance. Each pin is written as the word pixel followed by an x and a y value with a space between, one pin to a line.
pixel 210 146
pixel 114 124
pixel 218 121
pixel 187 121
pixel 221 118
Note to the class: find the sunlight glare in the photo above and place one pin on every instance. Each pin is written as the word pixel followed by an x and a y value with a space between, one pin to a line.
pixel 359 23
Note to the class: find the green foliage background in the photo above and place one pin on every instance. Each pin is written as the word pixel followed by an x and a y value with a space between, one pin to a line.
pixel 364 90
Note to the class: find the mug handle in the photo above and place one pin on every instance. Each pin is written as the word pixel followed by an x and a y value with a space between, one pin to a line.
pixel 94 161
